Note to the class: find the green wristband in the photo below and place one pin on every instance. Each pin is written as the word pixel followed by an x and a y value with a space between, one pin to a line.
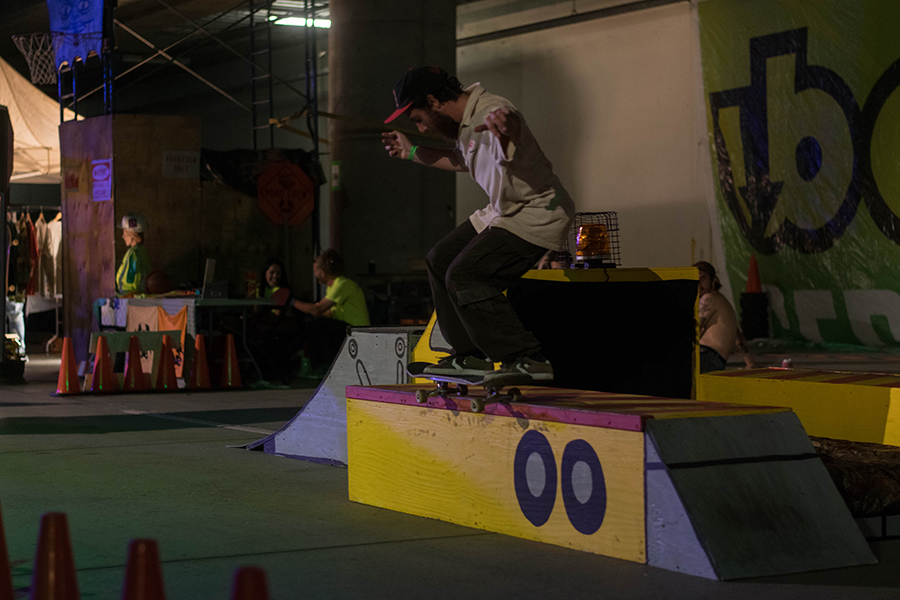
pixel 412 153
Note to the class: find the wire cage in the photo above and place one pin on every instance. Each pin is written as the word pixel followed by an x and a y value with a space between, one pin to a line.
pixel 593 242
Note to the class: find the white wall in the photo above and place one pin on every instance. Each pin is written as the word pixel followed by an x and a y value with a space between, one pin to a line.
pixel 614 104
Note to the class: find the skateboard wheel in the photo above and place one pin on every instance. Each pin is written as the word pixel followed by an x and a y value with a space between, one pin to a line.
pixel 477 405
pixel 462 389
pixel 515 394
pixel 421 396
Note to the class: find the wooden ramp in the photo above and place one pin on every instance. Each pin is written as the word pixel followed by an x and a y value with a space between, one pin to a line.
pixel 369 356
pixel 717 490
pixel 862 407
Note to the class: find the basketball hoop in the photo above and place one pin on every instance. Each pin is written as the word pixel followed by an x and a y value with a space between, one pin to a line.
pixel 38 51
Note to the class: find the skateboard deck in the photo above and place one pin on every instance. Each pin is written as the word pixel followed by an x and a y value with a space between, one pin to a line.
pixel 459 386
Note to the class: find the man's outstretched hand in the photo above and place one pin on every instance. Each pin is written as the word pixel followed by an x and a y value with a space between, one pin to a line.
pixel 501 122
pixel 396 144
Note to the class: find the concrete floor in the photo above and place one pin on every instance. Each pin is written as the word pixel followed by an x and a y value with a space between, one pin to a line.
pixel 161 466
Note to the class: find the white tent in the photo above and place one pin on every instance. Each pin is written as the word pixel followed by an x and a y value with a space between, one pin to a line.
pixel 35 122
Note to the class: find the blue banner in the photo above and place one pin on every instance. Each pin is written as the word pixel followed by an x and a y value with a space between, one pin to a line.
pixel 77 29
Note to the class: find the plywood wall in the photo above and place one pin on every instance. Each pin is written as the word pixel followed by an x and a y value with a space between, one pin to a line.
pixel 88 244
pixel 157 174
pixel 236 233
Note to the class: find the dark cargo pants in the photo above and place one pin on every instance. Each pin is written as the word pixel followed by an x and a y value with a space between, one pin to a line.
pixel 469 272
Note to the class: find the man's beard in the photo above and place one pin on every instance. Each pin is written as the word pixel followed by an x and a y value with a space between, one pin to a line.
pixel 445 125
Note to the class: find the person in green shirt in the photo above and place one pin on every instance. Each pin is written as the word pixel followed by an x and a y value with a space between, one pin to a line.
pixel 132 274
pixel 344 299
pixel 344 304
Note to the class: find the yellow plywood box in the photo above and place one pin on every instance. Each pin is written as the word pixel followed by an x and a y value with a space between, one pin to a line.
pixel 862 407
pixel 413 460
pixel 632 477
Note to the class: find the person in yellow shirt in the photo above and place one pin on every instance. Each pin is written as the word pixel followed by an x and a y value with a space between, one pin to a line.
pixel 344 305
pixel 344 300
pixel 131 277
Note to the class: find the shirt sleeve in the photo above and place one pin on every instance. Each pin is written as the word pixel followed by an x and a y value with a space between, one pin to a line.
pixel 337 293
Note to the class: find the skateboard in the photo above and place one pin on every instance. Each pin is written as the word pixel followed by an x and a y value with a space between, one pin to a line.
pixel 459 386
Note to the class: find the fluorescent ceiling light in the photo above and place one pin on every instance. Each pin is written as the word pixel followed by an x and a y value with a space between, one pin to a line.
pixel 301 22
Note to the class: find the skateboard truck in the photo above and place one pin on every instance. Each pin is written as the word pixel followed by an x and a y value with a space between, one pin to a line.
pixel 446 386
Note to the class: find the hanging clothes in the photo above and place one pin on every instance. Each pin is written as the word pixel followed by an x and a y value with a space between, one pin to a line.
pixel 31 288
pixel 53 271
pixel 19 261
pixel 40 233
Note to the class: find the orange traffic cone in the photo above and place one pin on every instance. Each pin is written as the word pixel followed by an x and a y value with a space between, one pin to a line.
pixel 231 373
pixel 68 372
pixel 250 584
pixel 143 575
pixel 134 374
pixel 104 381
pixel 753 285
pixel 53 577
pixel 6 584
pixel 200 370
pixel 166 381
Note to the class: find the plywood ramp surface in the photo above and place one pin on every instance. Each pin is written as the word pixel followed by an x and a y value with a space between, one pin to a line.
pixel 477 470
pixel 862 407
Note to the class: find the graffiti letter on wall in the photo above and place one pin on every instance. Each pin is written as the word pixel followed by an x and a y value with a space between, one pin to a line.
pixel 862 305
pixel 813 305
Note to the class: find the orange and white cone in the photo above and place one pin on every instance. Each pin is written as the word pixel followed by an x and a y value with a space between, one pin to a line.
pixel 104 380
pixel 53 577
pixel 6 584
pixel 753 284
pixel 134 381
pixel 166 381
pixel 199 379
pixel 68 372
pixel 143 574
pixel 231 372
pixel 250 584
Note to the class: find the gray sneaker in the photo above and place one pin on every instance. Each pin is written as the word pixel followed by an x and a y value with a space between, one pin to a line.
pixel 540 370
pixel 459 366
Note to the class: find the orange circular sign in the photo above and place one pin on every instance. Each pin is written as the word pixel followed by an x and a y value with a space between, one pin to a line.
pixel 285 194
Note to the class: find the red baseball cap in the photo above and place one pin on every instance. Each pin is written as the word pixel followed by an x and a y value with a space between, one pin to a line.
pixel 415 85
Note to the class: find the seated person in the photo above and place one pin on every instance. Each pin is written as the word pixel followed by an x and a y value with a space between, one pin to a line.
pixel 131 277
pixel 719 331
pixel 344 305
pixel 344 299
pixel 273 282
pixel 273 333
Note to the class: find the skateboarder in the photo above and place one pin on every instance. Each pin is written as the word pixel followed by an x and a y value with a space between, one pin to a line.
pixel 528 213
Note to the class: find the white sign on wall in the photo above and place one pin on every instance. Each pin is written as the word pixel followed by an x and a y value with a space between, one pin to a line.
pixel 181 164
pixel 101 180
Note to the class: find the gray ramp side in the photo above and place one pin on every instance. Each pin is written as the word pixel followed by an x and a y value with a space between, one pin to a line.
pixel 758 502
pixel 318 432
pixel 672 543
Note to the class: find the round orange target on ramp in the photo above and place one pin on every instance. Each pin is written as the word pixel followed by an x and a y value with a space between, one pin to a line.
pixel 285 194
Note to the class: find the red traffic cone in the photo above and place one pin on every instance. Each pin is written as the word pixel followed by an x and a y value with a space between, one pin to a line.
pixel 200 370
pixel 753 285
pixel 166 381
pixel 134 374
pixel 53 577
pixel 68 372
pixel 104 380
pixel 143 575
pixel 6 584
pixel 231 373
pixel 250 584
